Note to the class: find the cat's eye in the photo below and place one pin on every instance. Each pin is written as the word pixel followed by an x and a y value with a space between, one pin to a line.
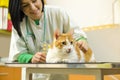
pixel 64 43
pixel 71 42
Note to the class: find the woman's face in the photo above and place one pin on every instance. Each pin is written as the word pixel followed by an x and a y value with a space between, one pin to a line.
pixel 32 8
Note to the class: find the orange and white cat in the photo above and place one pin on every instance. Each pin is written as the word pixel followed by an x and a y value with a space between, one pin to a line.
pixel 64 49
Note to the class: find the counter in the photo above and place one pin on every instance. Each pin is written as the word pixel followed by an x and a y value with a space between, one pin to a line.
pixel 97 69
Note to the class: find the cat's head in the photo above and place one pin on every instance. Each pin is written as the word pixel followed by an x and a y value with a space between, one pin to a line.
pixel 64 41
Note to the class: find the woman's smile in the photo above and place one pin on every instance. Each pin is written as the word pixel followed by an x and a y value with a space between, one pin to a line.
pixel 35 12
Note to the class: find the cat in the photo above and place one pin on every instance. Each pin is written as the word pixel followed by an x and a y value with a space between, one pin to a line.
pixel 65 50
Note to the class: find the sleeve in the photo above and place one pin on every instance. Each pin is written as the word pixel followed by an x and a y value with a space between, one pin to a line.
pixel 69 24
pixel 18 49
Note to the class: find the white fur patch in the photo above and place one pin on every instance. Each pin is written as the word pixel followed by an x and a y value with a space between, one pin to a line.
pixel 56 55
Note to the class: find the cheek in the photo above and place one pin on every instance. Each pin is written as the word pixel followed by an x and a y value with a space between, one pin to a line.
pixel 66 47
pixel 58 44
pixel 26 12
pixel 39 5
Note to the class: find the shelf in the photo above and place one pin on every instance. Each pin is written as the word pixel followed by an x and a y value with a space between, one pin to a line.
pixel 5 32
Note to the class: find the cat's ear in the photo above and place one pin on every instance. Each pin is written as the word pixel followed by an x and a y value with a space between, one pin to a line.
pixel 71 31
pixel 56 34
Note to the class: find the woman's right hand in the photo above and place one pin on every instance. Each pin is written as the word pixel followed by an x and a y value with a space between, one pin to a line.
pixel 39 57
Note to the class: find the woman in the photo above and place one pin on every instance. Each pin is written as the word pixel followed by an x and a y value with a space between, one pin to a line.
pixel 33 27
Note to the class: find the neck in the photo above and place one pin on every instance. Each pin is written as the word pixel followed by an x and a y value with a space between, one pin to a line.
pixel 37 20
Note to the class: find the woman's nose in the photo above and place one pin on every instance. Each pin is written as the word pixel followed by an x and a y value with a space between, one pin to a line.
pixel 32 6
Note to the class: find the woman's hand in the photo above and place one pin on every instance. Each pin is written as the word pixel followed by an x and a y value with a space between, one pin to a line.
pixel 39 57
pixel 83 45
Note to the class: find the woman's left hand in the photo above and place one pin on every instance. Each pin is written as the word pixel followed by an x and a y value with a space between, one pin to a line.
pixel 83 45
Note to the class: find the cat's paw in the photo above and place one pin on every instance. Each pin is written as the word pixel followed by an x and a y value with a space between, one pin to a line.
pixel 61 61
pixel 65 61
pixel 69 61
pixel 56 61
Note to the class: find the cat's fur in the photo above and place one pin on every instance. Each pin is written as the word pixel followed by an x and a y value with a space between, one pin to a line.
pixel 64 49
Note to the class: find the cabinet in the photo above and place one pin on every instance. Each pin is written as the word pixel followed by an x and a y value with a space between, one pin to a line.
pixel 10 73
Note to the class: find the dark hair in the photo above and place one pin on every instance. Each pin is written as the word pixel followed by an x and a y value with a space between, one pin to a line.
pixel 17 14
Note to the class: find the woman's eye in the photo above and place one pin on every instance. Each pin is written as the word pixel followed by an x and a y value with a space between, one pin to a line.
pixel 34 1
pixel 24 6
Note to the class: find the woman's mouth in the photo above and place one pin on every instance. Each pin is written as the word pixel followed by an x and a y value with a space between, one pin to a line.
pixel 35 12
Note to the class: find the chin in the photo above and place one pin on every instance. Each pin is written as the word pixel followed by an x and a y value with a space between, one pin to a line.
pixel 36 18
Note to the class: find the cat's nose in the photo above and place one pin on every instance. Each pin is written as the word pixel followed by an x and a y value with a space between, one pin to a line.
pixel 68 50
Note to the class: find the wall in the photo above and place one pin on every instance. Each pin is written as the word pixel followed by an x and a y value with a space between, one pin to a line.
pixel 90 12
pixel 4 45
pixel 116 11
pixel 105 44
